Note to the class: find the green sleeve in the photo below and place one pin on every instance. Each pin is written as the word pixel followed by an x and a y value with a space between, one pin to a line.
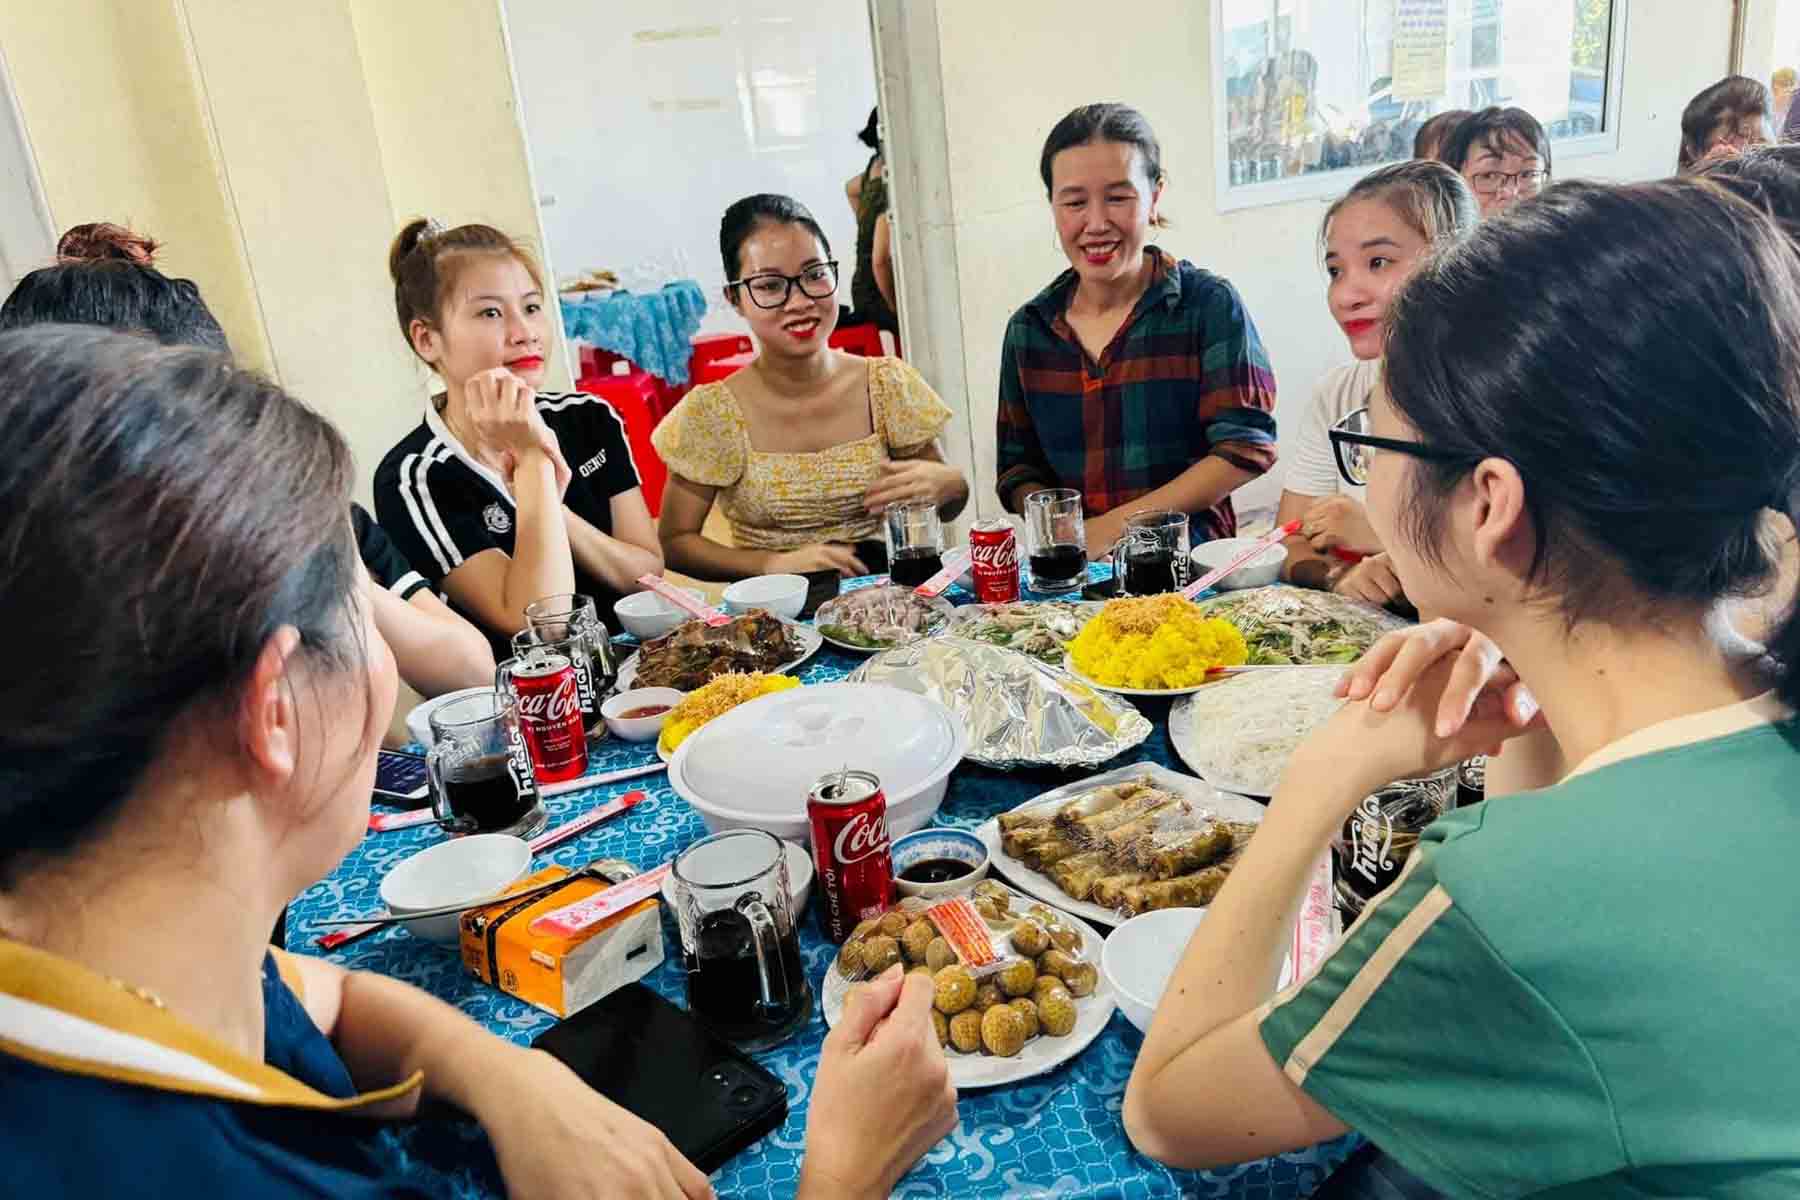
pixel 1420 1036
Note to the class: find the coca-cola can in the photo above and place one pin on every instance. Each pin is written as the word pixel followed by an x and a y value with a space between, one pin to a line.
pixel 549 702
pixel 994 554
pixel 848 814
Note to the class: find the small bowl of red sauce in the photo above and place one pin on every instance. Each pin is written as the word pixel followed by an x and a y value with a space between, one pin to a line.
pixel 938 862
pixel 638 715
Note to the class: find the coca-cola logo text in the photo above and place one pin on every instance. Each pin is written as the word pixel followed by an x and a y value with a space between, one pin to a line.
pixel 553 706
pixel 863 835
pixel 995 555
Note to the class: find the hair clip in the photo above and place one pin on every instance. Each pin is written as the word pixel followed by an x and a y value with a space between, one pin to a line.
pixel 433 228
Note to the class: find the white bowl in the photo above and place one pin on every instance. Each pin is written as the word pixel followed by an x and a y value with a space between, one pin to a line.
pixel 800 878
pixel 418 721
pixel 1260 571
pixel 647 615
pixel 924 844
pixel 639 729
pixel 1140 956
pixel 454 872
pixel 752 767
pixel 783 595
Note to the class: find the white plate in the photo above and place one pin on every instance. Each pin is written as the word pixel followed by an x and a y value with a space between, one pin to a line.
pixel 937 604
pixel 1225 804
pixel 800 878
pixel 1042 1053
pixel 1069 666
pixel 810 642
pixel 1187 743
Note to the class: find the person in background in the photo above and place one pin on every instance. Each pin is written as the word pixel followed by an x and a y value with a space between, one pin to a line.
pixel 1503 153
pixel 1372 239
pixel 1781 86
pixel 1136 378
pixel 1515 1015
pixel 1728 117
pixel 1436 130
pixel 503 495
pixel 804 448
pixel 209 754
pixel 872 287
pixel 105 276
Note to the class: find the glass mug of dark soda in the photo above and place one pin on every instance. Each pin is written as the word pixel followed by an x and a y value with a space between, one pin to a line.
pixel 590 686
pixel 478 768
pixel 915 539
pixel 1055 541
pixel 1152 557
pixel 566 615
pixel 745 981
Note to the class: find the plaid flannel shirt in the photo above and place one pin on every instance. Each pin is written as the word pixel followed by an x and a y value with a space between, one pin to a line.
pixel 1185 377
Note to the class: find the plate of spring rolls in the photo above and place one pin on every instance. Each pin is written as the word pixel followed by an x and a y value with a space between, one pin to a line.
pixel 1128 841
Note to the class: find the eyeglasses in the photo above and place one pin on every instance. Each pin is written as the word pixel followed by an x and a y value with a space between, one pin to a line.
pixel 770 290
pixel 1355 448
pixel 1529 183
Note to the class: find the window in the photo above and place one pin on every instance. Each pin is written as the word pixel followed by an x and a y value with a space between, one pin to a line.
pixel 1316 92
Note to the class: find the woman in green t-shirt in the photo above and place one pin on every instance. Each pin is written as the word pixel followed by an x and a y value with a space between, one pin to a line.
pixel 1579 984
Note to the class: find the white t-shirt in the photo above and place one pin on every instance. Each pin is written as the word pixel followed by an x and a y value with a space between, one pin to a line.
pixel 1311 464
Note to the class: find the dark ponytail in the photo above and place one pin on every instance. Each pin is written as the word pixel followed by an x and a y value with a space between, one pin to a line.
pixel 1647 391
pixel 162 514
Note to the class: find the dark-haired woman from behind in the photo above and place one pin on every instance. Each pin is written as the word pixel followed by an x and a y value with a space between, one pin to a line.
pixel 503 494
pixel 1517 1013
pixel 804 448
pixel 1503 153
pixel 1429 141
pixel 1135 378
pixel 1727 118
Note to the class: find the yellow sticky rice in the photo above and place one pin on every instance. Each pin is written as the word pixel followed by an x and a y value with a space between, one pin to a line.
pixel 717 698
pixel 1155 642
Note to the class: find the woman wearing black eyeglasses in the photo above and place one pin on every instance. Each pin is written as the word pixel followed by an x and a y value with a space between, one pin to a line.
pixel 806 446
pixel 1568 990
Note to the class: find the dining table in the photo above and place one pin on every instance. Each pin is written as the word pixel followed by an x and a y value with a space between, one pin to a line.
pixel 1058 1134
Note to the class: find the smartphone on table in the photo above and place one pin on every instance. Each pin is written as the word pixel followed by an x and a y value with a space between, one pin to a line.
pixel 400 780
pixel 658 1063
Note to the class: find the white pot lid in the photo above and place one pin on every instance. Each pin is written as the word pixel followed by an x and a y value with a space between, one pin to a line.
pixel 767 754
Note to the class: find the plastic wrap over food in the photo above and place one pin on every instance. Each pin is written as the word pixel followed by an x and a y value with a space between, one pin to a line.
pixel 1018 711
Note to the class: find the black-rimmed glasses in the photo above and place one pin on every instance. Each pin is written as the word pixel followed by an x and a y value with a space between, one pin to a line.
pixel 1526 183
pixel 770 290
pixel 1355 448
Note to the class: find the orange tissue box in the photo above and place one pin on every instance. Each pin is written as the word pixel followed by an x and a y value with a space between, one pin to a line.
pixel 561 975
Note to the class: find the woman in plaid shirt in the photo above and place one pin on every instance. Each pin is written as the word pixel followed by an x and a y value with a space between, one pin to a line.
pixel 1136 378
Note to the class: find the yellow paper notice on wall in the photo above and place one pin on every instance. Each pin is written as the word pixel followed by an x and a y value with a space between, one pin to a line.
pixel 1421 48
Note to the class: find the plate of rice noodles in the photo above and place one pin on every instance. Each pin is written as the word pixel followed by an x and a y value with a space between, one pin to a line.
pixel 715 699
pixel 1154 646
pixel 1238 734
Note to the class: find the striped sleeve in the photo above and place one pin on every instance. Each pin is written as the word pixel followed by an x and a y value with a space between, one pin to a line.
pixel 431 509
pixel 1418 1034
pixel 1237 385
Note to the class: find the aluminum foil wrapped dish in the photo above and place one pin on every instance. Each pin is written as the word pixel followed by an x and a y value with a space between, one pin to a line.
pixel 1018 711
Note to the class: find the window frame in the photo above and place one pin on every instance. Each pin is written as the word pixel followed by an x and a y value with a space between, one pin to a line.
pixel 1231 197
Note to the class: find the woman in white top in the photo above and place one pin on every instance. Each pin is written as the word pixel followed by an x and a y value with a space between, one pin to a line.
pixel 1372 239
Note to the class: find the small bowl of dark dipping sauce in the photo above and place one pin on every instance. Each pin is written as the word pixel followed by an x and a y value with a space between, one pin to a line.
pixel 938 862
pixel 638 715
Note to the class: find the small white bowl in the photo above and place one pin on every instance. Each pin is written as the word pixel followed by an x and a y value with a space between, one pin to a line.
pixel 454 872
pixel 926 844
pixel 1260 571
pixel 800 878
pixel 418 721
pixel 783 595
pixel 646 615
pixel 1140 956
pixel 639 729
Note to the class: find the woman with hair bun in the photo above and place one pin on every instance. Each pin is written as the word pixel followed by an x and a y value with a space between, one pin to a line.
pixel 503 494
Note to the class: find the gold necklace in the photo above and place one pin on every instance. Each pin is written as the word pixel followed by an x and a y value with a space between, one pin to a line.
pixel 142 993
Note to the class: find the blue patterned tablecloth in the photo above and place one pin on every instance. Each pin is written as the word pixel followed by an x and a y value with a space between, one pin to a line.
pixel 1058 1135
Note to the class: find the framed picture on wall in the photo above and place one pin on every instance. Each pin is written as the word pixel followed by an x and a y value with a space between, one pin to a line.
pixel 1310 94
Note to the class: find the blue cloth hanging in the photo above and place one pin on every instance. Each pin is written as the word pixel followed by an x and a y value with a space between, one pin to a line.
pixel 655 331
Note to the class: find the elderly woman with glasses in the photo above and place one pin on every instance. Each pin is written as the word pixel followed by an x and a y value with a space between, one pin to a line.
pixel 1503 153
pixel 805 447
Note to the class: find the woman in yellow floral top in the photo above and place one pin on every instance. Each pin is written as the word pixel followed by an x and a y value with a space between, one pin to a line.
pixel 804 448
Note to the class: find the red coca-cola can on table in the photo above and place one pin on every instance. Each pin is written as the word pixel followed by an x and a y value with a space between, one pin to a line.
pixel 994 555
pixel 549 702
pixel 848 814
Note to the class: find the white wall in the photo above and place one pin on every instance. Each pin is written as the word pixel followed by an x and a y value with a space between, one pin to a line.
pixel 645 120
pixel 999 106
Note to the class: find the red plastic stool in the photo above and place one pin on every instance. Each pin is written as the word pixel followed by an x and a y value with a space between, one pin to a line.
pixel 710 347
pixel 858 339
pixel 635 398
pixel 722 368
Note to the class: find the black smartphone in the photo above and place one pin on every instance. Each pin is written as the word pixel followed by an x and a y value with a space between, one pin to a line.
pixel 400 779
pixel 658 1063
pixel 820 587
